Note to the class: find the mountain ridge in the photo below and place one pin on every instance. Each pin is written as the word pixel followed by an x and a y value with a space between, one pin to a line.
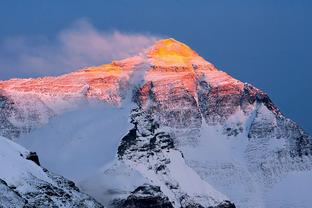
pixel 188 123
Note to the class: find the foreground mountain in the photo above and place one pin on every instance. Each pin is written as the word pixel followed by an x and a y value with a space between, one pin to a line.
pixel 196 137
pixel 23 183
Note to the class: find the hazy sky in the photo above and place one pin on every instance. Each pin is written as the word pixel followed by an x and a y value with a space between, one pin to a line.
pixel 267 43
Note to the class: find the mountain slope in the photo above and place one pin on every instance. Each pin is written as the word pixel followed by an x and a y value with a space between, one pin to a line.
pixel 196 136
pixel 23 183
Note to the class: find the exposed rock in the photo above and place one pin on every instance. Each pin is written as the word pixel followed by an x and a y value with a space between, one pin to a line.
pixel 33 157
pixel 226 204
pixel 147 196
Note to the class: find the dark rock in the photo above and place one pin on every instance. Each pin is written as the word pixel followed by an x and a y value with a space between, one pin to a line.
pixel 226 204
pixel 127 141
pixel 33 157
pixel 147 196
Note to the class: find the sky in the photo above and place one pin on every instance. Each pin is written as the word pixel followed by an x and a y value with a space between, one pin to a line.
pixel 266 43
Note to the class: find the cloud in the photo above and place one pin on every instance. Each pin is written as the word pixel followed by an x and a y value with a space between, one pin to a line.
pixel 78 46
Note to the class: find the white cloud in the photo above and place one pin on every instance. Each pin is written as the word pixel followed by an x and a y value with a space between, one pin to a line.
pixel 75 47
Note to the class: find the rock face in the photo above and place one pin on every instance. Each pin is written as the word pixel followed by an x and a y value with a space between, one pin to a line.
pixel 33 157
pixel 147 197
pixel 148 144
pixel 199 137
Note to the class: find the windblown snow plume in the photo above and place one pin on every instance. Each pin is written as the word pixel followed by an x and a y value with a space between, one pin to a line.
pixel 78 46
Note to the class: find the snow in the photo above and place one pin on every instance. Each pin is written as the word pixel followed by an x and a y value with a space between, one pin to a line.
pixel 294 190
pixel 14 168
pixel 31 110
pixel 153 178
pixel 229 164
pixel 190 182
pixel 9 198
pixel 219 160
pixel 180 174
pixel 115 180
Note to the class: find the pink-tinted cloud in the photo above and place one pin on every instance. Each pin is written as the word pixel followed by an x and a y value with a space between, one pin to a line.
pixel 75 47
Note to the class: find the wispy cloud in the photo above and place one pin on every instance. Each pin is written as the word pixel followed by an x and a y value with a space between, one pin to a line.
pixel 75 47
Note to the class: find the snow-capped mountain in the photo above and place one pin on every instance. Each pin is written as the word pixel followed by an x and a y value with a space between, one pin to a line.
pixel 23 183
pixel 162 129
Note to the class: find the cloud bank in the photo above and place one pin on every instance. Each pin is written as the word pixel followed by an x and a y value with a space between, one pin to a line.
pixel 78 46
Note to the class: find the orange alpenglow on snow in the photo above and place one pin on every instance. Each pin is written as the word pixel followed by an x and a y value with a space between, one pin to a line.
pixel 176 69
pixel 169 64
pixel 169 52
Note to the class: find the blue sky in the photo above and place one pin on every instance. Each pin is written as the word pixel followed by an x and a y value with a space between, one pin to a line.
pixel 267 43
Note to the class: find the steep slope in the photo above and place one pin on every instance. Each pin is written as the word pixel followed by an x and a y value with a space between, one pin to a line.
pixel 196 137
pixel 29 103
pixel 23 183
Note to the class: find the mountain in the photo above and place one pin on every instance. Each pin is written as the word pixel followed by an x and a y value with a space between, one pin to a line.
pixel 162 129
pixel 24 183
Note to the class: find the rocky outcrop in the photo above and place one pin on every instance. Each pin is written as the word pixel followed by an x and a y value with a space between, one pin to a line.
pixel 33 157
pixel 147 196
pixel 226 204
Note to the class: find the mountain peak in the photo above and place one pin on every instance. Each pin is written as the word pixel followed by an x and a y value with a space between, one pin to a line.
pixel 171 46
pixel 171 52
